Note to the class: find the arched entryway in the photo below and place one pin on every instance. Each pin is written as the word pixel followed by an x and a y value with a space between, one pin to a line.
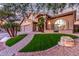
pixel 60 24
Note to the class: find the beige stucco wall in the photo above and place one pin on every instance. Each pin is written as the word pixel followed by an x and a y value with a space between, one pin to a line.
pixel 69 21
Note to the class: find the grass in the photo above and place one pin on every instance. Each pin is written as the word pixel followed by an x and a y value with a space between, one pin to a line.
pixel 14 40
pixel 44 41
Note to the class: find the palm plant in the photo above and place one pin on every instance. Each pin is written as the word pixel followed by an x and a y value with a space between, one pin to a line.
pixel 11 28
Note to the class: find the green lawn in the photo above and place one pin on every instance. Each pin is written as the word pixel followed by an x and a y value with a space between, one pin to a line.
pixel 43 41
pixel 14 40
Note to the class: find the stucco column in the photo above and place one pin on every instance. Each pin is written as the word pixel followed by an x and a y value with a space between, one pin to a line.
pixel 44 26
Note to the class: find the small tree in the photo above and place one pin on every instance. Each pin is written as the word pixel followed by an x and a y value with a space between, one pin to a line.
pixel 41 24
pixel 11 28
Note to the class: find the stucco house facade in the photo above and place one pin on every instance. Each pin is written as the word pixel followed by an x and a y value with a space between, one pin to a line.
pixel 65 23
pixel 61 22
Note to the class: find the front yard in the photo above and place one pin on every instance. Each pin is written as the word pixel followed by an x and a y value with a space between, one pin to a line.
pixel 44 41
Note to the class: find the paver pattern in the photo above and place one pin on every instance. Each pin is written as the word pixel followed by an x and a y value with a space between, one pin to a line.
pixel 55 51
pixel 9 51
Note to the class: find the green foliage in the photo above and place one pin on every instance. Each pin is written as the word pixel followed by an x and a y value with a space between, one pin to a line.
pixel 5 14
pixel 40 21
pixel 16 7
pixel 55 7
pixel 23 7
pixel 10 25
pixel 14 40
pixel 11 28
pixel 44 41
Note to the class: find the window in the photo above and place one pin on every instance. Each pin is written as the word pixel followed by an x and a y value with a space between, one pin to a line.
pixel 60 23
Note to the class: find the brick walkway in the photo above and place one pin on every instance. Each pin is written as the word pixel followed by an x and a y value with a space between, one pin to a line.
pixel 55 51
pixel 9 51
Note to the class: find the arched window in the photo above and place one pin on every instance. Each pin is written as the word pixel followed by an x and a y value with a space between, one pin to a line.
pixel 60 22
pixel 60 25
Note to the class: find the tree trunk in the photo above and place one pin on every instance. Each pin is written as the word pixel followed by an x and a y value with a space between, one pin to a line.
pixel 8 32
pixel 22 20
pixel 15 31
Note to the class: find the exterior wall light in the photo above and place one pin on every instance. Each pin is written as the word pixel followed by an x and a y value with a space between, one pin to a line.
pixel 49 22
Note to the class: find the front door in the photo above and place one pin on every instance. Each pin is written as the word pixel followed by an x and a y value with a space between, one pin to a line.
pixel 41 29
pixel 34 26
